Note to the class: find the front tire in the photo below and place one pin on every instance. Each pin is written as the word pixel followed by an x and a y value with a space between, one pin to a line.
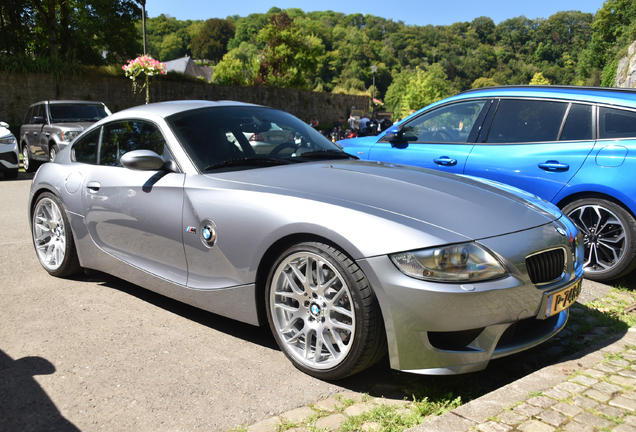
pixel 52 237
pixel 609 233
pixel 27 162
pixel 323 313
pixel 53 152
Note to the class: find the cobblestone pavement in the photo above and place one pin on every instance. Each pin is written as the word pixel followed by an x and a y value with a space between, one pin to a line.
pixel 584 380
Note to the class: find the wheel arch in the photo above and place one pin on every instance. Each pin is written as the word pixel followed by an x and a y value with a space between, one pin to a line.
pixel 272 254
pixel 36 194
pixel 586 195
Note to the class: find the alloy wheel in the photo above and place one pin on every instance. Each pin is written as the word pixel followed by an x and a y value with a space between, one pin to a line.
pixel 49 234
pixel 604 236
pixel 312 310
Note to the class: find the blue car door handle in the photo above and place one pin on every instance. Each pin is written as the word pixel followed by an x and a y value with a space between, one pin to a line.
pixel 93 186
pixel 553 165
pixel 446 161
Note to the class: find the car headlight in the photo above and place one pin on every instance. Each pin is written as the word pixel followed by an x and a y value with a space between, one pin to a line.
pixel 67 135
pixel 8 139
pixel 466 262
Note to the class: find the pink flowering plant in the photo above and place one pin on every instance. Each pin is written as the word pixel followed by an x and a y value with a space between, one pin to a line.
pixel 146 65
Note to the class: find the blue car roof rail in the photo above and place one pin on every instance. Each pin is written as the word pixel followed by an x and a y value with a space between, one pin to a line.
pixel 552 87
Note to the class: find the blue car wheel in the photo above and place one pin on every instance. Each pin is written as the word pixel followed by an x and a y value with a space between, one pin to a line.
pixel 609 233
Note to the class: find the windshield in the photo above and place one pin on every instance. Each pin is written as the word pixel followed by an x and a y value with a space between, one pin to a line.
pixel 247 136
pixel 61 113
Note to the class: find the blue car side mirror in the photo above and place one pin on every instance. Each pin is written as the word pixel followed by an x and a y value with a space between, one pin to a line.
pixel 392 133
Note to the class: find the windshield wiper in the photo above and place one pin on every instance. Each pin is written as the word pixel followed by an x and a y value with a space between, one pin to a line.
pixel 327 154
pixel 257 161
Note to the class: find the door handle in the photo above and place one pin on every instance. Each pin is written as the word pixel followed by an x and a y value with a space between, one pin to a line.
pixel 445 161
pixel 554 166
pixel 93 186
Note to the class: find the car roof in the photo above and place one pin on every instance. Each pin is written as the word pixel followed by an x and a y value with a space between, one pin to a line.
pixel 607 95
pixel 164 109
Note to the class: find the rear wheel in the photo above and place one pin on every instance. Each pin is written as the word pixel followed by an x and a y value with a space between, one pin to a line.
pixel 52 237
pixel 323 313
pixel 609 233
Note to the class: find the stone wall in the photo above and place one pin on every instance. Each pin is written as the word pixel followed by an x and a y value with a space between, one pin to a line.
pixel 626 70
pixel 19 91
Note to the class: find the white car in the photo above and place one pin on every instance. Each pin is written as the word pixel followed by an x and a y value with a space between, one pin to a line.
pixel 9 160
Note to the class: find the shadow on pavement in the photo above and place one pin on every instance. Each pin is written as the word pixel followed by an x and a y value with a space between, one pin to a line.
pixel 257 335
pixel 21 176
pixel 24 405
pixel 585 327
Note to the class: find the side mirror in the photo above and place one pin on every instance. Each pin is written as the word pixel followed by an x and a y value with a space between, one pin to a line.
pixel 393 134
pixel 38 120
pixel 142 160
pixel 4 125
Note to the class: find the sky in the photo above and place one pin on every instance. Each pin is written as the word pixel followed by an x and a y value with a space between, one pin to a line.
pixel 412 12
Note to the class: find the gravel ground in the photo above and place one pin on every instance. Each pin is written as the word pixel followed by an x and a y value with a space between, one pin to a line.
pixel 96 353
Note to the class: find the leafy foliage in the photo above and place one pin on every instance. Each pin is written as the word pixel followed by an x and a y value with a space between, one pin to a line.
pixel 89 32
pixel 332 51
pixel 289 55
pixel 211 42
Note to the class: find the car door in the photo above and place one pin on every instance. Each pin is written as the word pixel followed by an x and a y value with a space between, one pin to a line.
pixel 133 215
pixel 33 130
pixel 441 138
pixel 535 145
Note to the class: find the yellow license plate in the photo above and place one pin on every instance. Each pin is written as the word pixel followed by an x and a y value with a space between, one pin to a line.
pixel 562 299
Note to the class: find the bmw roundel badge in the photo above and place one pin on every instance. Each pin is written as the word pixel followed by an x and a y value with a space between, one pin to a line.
pixel 208 233
pixel 560 231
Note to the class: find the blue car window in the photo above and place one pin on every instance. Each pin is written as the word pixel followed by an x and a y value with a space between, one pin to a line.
pixel 578 125
pixel 451 123
pixel 616 123
pixel 524 120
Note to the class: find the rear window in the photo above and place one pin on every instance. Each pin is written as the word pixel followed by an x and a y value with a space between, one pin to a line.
pixel 615 123
pixel 520 121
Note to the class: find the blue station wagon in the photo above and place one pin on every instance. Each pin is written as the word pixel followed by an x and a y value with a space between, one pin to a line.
pixel 572 146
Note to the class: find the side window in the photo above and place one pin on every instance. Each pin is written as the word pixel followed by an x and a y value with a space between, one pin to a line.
pixel 29 114
pixel 452 123
pixel 85 149
pixel 122 137
pixel 616 123
pixel 578 125
pixel 521 121
pixel 36 113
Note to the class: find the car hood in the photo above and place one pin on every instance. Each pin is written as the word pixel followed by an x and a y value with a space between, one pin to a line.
pixel 468 206
pixel 81 126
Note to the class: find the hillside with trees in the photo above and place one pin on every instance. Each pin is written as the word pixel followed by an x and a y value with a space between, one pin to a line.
pixel 331 51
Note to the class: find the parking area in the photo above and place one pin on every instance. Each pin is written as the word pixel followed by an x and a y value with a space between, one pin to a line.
pixel 96 352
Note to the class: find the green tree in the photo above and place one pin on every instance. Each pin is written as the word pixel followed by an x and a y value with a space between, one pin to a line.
pixel 539 79
pixel 85 30
pixel 171 47
pixel 415 89
pixel 238 67
pixel 484 82
pixel 289 56
pixel 211 42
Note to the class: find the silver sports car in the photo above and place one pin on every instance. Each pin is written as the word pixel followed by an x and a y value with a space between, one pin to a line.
pixel 345 260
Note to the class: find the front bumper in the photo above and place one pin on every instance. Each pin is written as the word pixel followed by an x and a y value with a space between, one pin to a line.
pixel 9 159
pixel 438 329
